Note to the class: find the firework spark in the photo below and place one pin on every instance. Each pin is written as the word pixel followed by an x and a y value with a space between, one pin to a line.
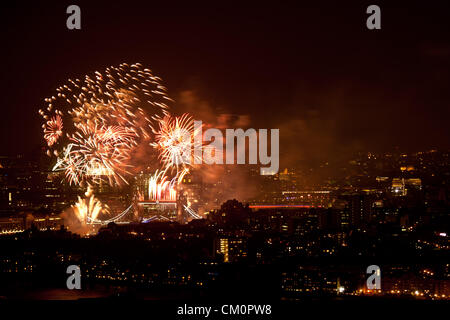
pixel 53 130
pixel 87 210
pixel 160 188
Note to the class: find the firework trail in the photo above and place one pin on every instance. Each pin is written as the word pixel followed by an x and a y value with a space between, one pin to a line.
pixel 87 210
pixel 160 188
pixel 191 212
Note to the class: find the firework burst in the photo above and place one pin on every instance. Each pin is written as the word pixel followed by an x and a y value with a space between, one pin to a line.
pixel 109 126
pixel 160 188
pixel 97 152
pixel 106 116
pixel 87 210
pixel 53 130
pixel 175 139
pixel 176 144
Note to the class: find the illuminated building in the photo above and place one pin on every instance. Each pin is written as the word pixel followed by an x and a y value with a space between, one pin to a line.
pixel 192 188
pixel 232 248
pixel 155 202
pixel 223 249
pixel 18 223
pixel 411 284
pixel 398 187
pixel 317 198
pixel 414 183
pixel 360 208
pixel 310 281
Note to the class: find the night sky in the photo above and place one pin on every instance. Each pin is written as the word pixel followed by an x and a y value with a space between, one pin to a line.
pixel 332 86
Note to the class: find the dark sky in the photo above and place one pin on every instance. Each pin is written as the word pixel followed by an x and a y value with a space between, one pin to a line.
pixel 331 85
